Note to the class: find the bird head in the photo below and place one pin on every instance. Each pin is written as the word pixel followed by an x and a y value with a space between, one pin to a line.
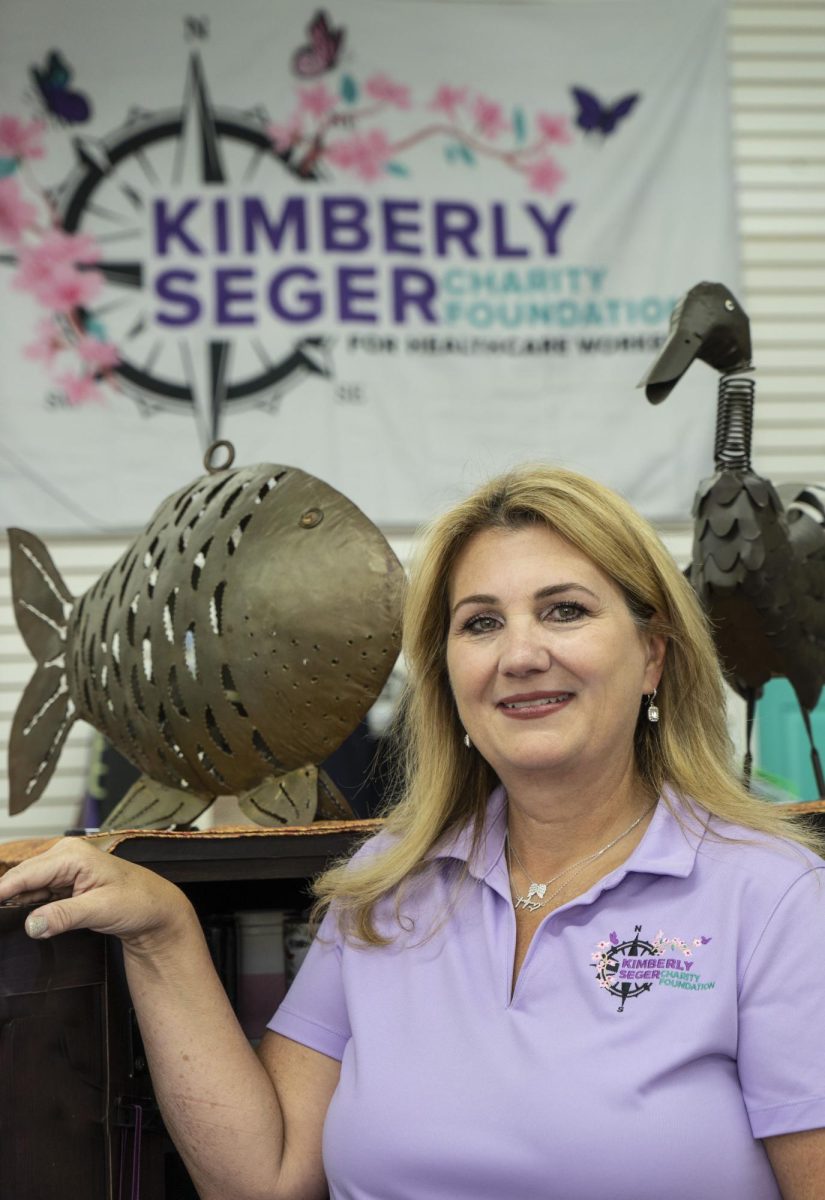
pixel 708 323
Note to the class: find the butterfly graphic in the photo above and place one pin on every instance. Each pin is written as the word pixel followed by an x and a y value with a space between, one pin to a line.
pixel 320 54
pixel 53 85
pixel 595 116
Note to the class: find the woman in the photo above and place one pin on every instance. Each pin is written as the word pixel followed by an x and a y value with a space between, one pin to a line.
pixel 577 961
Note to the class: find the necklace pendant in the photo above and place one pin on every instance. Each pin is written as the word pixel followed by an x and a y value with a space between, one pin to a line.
pixel 527 904
pixel 537 889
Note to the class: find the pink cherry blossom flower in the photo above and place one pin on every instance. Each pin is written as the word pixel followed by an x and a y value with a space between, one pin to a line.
pixel 363 153
pixel 447 99
pixel 47 344
pixel 21 139
pixel 381 87
pixel 34 270
pixel 16 214
pixel 100 355
pixel 79 389
pixel 74 289
pixel 48 268
pixel 554 129
pixel 372 152
pixel 317 100
pixel 287 134
pixel 69 248
pixel 65 288
pixel 544 175
pixel 39 262
pixel 489 117
pixel 341 153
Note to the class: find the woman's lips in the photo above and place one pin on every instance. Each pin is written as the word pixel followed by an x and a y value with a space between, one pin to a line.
pixel 534 704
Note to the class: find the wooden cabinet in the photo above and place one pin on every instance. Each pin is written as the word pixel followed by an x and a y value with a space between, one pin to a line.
pixel 77 1112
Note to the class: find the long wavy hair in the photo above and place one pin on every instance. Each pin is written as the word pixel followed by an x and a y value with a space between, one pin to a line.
pixel 444 787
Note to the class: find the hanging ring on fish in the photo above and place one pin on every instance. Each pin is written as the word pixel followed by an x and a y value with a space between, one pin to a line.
pixel 210 458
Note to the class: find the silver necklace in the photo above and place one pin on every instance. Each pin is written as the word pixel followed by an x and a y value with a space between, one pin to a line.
pixel 537 897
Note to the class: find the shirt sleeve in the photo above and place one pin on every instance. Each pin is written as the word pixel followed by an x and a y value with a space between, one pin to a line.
pixel 314 1010
pixel 781 1052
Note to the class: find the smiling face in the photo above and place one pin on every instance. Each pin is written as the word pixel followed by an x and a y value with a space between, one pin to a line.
pixel 547 665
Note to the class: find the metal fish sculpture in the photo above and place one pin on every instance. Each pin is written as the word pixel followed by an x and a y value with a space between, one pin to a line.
pixel 235 644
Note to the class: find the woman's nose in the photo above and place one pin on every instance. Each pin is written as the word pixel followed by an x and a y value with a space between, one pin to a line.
pixel 524 650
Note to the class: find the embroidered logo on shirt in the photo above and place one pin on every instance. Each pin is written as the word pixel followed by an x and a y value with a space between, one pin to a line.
pixel 630 968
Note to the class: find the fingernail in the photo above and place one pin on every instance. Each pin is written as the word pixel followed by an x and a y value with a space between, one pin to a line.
pixel 36 926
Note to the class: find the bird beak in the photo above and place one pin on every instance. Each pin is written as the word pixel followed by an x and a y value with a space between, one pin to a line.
pixel 707 323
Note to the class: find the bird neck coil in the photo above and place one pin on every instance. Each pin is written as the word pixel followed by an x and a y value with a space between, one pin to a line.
pixel 734 422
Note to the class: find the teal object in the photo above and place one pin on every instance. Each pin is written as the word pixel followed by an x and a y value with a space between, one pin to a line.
pixel 784 753
pixel 348 89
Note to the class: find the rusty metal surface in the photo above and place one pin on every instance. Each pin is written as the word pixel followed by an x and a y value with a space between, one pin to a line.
pixel 765 595
pixel 241 637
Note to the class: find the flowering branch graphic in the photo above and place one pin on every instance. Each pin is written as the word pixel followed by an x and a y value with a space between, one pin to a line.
pixel 347 130
pixel 471 126
pixel 56 268
pixel 661 942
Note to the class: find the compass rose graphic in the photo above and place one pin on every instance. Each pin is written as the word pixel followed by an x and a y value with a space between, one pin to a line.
pixel 109 195
pixel 609 963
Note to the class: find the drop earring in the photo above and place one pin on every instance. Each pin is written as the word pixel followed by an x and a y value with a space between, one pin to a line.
pixel 467 741
pixel 652 708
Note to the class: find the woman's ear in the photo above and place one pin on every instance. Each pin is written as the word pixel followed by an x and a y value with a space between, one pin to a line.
pixel 656 651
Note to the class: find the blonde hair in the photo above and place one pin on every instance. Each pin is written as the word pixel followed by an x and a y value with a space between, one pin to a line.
pixel 446 787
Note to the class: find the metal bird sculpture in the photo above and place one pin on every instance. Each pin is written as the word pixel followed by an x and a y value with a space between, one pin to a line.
pixel 234 645
pixel 758 564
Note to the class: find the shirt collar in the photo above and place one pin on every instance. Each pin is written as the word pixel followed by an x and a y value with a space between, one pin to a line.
pixel 668 847
pixel 490 850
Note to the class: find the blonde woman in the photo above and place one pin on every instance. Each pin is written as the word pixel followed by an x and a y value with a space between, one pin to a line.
pixel 579 960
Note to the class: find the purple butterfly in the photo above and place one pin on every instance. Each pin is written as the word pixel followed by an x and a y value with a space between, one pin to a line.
pixel 614 937
pixel 595 116
pixel 321 52
pixel 704 940
pixel 52 82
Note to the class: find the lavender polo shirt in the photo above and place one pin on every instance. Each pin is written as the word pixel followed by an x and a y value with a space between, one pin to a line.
pixel 661 1022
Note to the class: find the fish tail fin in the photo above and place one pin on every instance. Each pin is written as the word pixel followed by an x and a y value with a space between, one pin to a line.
pixel 44 716
pixel 42 602
pixel 46 712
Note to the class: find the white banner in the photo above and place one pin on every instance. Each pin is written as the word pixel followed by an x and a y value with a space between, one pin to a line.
pixel 399 244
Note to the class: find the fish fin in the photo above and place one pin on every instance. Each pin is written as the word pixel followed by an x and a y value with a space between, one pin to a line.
pixel 44 716
pixel 290 799
pixel 42 602
pixel 152 805
pixel 332 803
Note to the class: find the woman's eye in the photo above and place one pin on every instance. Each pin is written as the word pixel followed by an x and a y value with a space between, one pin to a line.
pixel 480 624
pixel 567 611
